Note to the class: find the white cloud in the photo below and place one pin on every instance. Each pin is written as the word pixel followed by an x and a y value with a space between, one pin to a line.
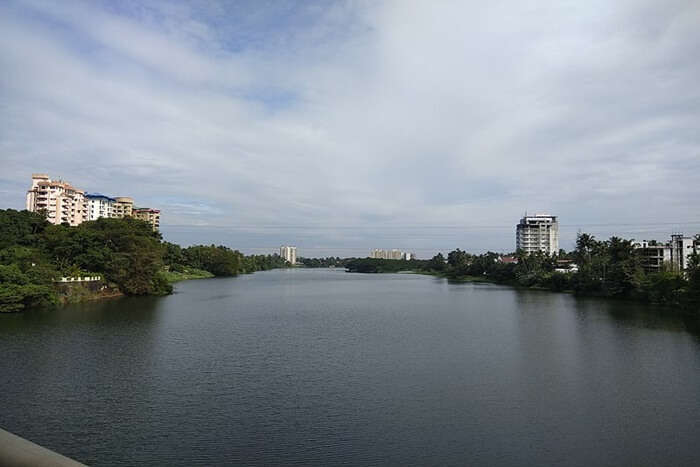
pixel 360 114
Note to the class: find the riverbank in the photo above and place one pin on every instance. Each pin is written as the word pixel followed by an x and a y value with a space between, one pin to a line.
pixel 78 292
pixel 131 257
pixel 186 275
pixel 666 306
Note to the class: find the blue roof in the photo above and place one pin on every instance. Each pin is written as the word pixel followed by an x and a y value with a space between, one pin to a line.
pixel 98 195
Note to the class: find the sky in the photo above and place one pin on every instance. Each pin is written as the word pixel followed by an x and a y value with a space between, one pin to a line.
pixel 342 126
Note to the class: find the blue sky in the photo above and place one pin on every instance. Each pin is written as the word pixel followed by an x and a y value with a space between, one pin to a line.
pixel 346 126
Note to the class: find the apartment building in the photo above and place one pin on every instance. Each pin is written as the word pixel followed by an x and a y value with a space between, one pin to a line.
pixel 152 216
pixel 123 206
pixel 537 233
pixel 62 203
pixel 289 253
pixel 390 254
pixel 65 204
pixel 98 205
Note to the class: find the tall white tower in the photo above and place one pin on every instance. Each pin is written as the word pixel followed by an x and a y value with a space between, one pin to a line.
pixel 289 253
pixel 538 233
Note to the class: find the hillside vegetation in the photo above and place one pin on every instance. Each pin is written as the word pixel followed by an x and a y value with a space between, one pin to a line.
pixel 125 252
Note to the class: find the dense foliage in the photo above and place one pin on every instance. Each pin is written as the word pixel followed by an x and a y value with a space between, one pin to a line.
pixel 331 261
pixel 125 252
pixel 218 260
pixel 608 268
pixel 384 265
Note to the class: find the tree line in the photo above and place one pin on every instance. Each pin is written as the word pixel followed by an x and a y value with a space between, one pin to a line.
pixel 125 252
pixel 609 268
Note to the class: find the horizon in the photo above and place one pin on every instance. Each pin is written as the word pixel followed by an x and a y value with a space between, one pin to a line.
pixel 340 127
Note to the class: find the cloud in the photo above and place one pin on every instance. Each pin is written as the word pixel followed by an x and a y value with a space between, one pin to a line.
pixel 352 125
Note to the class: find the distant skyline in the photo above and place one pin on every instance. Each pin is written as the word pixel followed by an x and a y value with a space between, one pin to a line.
pixel 340 127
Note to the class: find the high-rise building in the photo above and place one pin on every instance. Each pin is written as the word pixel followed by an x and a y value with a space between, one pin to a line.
pixel 123 206
pixel 537 233
pixel 98 205
pixel 152 216
pixel 62 203
pixel 681 249
pixel 390 254
pixel 289 253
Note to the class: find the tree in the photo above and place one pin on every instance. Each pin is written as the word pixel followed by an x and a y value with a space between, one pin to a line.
pixel 20 228
pixel 458 262
pixel 692 299
pixel 437 263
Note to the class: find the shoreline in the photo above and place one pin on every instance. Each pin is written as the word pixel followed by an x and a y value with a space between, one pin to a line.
pixel 191 274
pixel 669 307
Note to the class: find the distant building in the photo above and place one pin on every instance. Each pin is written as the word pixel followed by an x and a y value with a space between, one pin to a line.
pixel 289 253
pixel 123 206
pixel 672 256
pixel 538 233
pixel 566 266
pixel 391 254
pixel 98 205
pixel 654 255
pixel 508 259
pixel 65 204
pixel 152 216
pixel 681 249
pixel 62 203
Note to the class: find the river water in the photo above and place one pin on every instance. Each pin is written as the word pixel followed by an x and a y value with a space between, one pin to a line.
pixel 323 367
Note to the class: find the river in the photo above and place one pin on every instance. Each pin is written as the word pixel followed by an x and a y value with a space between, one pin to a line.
pixel 323 367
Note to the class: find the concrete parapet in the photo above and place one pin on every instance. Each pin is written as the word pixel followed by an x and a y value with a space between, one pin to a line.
pixel 18 452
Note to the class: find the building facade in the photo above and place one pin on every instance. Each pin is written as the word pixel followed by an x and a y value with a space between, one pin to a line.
pixel 673 255
pixel 537 233
pixel 654 256
pixel 681 249
pixel 123 206
pixel 289 253
pixel 62 203
pixel 152 216
pixel 391 254
pixel 65 204
pixel 98 205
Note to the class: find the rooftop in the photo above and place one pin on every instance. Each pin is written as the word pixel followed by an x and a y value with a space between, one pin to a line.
pixel 98 195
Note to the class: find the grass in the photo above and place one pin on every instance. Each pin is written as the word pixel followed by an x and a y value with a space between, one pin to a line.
pixel 187 274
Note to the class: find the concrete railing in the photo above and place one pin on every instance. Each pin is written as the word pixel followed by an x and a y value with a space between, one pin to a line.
pixel 18 452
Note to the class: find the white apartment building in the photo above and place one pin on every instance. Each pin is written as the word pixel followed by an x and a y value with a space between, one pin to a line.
pixel 289 253
pixel 65 204
pixel 390 254
pixel 60 200
pixel 98 205
pixel 537 233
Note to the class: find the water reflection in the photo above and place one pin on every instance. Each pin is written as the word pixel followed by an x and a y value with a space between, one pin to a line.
pixel 629 313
